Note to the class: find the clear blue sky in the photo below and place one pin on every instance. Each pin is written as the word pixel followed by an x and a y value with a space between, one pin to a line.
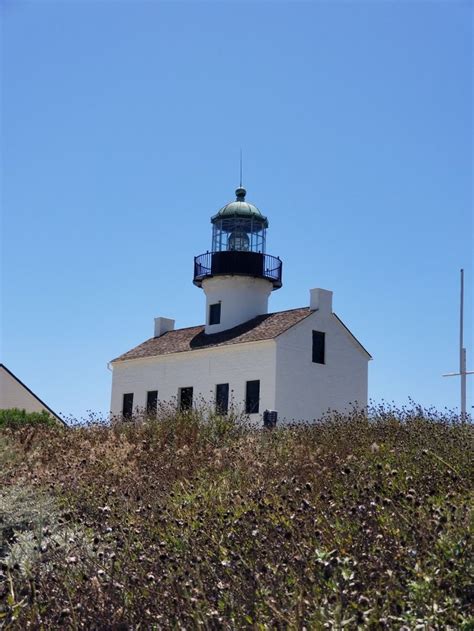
pixel 121 129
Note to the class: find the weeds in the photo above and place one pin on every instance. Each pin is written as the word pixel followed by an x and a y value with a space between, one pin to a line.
pixel 198 521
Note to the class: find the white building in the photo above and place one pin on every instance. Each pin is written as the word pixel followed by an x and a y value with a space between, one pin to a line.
pixel 300 363
pixel 15 394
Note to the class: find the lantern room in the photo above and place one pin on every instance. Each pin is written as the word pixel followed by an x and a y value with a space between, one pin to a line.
pixel 239 226
pixel 238 245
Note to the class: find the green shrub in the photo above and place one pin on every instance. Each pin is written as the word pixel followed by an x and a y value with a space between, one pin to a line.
pixel 15 418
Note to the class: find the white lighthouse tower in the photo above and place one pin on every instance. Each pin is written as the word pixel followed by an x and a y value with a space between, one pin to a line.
pixel 298 363
pixel 237 275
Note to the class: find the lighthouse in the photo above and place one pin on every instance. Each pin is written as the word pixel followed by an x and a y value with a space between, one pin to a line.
pixel 300 363
pixel 237 275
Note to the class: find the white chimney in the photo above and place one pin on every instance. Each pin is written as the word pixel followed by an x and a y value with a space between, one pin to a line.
pixel 320 299
pixel 163 325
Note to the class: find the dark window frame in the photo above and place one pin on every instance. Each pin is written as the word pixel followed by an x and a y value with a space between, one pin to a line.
pixel 222 398
pixel 127 405
pixel 252 399
pixel 186 398
pixel 152 402
pixel 215 313
pixel 318 354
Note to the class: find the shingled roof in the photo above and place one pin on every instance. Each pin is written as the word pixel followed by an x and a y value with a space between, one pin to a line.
pixel 263 327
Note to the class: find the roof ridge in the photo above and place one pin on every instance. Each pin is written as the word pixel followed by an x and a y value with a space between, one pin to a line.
pixel 260 315
pixel 183 329
pixel 287 310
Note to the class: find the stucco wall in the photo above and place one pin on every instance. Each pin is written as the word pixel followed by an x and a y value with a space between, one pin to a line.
pixel 201 369
pixel 14 395
pixel 289 381
pixel 241 298
pixel 305 390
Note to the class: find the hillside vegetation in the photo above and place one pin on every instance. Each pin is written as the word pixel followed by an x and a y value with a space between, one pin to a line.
pixel 14 418
pixel 181 523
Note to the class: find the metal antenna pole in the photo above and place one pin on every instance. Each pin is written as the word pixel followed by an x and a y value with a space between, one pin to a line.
pixel 462 351
pixel 240 167
pixel 462 355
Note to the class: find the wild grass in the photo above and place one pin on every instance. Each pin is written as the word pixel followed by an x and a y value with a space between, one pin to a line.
pixel 187 522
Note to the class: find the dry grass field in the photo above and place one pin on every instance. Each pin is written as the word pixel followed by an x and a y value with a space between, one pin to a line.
pixel 190 522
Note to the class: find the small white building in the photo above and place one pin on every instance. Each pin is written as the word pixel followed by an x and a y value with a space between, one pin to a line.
pixel 15 394
pixel 300 363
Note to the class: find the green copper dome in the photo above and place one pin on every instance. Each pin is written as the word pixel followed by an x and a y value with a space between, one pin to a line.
pixel 241 208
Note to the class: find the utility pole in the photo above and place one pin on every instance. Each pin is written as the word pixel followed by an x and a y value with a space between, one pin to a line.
pixel 462 355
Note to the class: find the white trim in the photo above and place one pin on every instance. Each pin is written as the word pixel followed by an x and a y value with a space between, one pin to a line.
pixel 352 337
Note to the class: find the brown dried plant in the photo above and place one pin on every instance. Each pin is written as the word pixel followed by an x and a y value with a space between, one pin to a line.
pixel 193 520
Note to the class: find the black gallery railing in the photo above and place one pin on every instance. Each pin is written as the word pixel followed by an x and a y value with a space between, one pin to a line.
pixel 237 262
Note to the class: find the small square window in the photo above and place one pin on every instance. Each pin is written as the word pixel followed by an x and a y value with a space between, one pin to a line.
pixel 252 397
pixel 185 399
pixel 127 406
pixel 215 313
pixel 151 402
pixel 319 347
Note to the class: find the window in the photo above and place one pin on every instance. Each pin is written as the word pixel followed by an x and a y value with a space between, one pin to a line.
pixel 151 402
pixel 252 397
pixel 319 344
pixel 222 398
pixel 185 398
pixel 127 406
pixel 215 313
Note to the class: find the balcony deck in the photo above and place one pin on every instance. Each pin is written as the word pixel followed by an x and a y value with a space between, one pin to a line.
pixel 238 263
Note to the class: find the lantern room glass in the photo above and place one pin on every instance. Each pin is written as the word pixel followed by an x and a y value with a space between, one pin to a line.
pixel 241 234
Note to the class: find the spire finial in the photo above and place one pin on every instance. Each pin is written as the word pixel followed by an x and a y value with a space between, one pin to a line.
pixel 240 192
pixel 240 167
